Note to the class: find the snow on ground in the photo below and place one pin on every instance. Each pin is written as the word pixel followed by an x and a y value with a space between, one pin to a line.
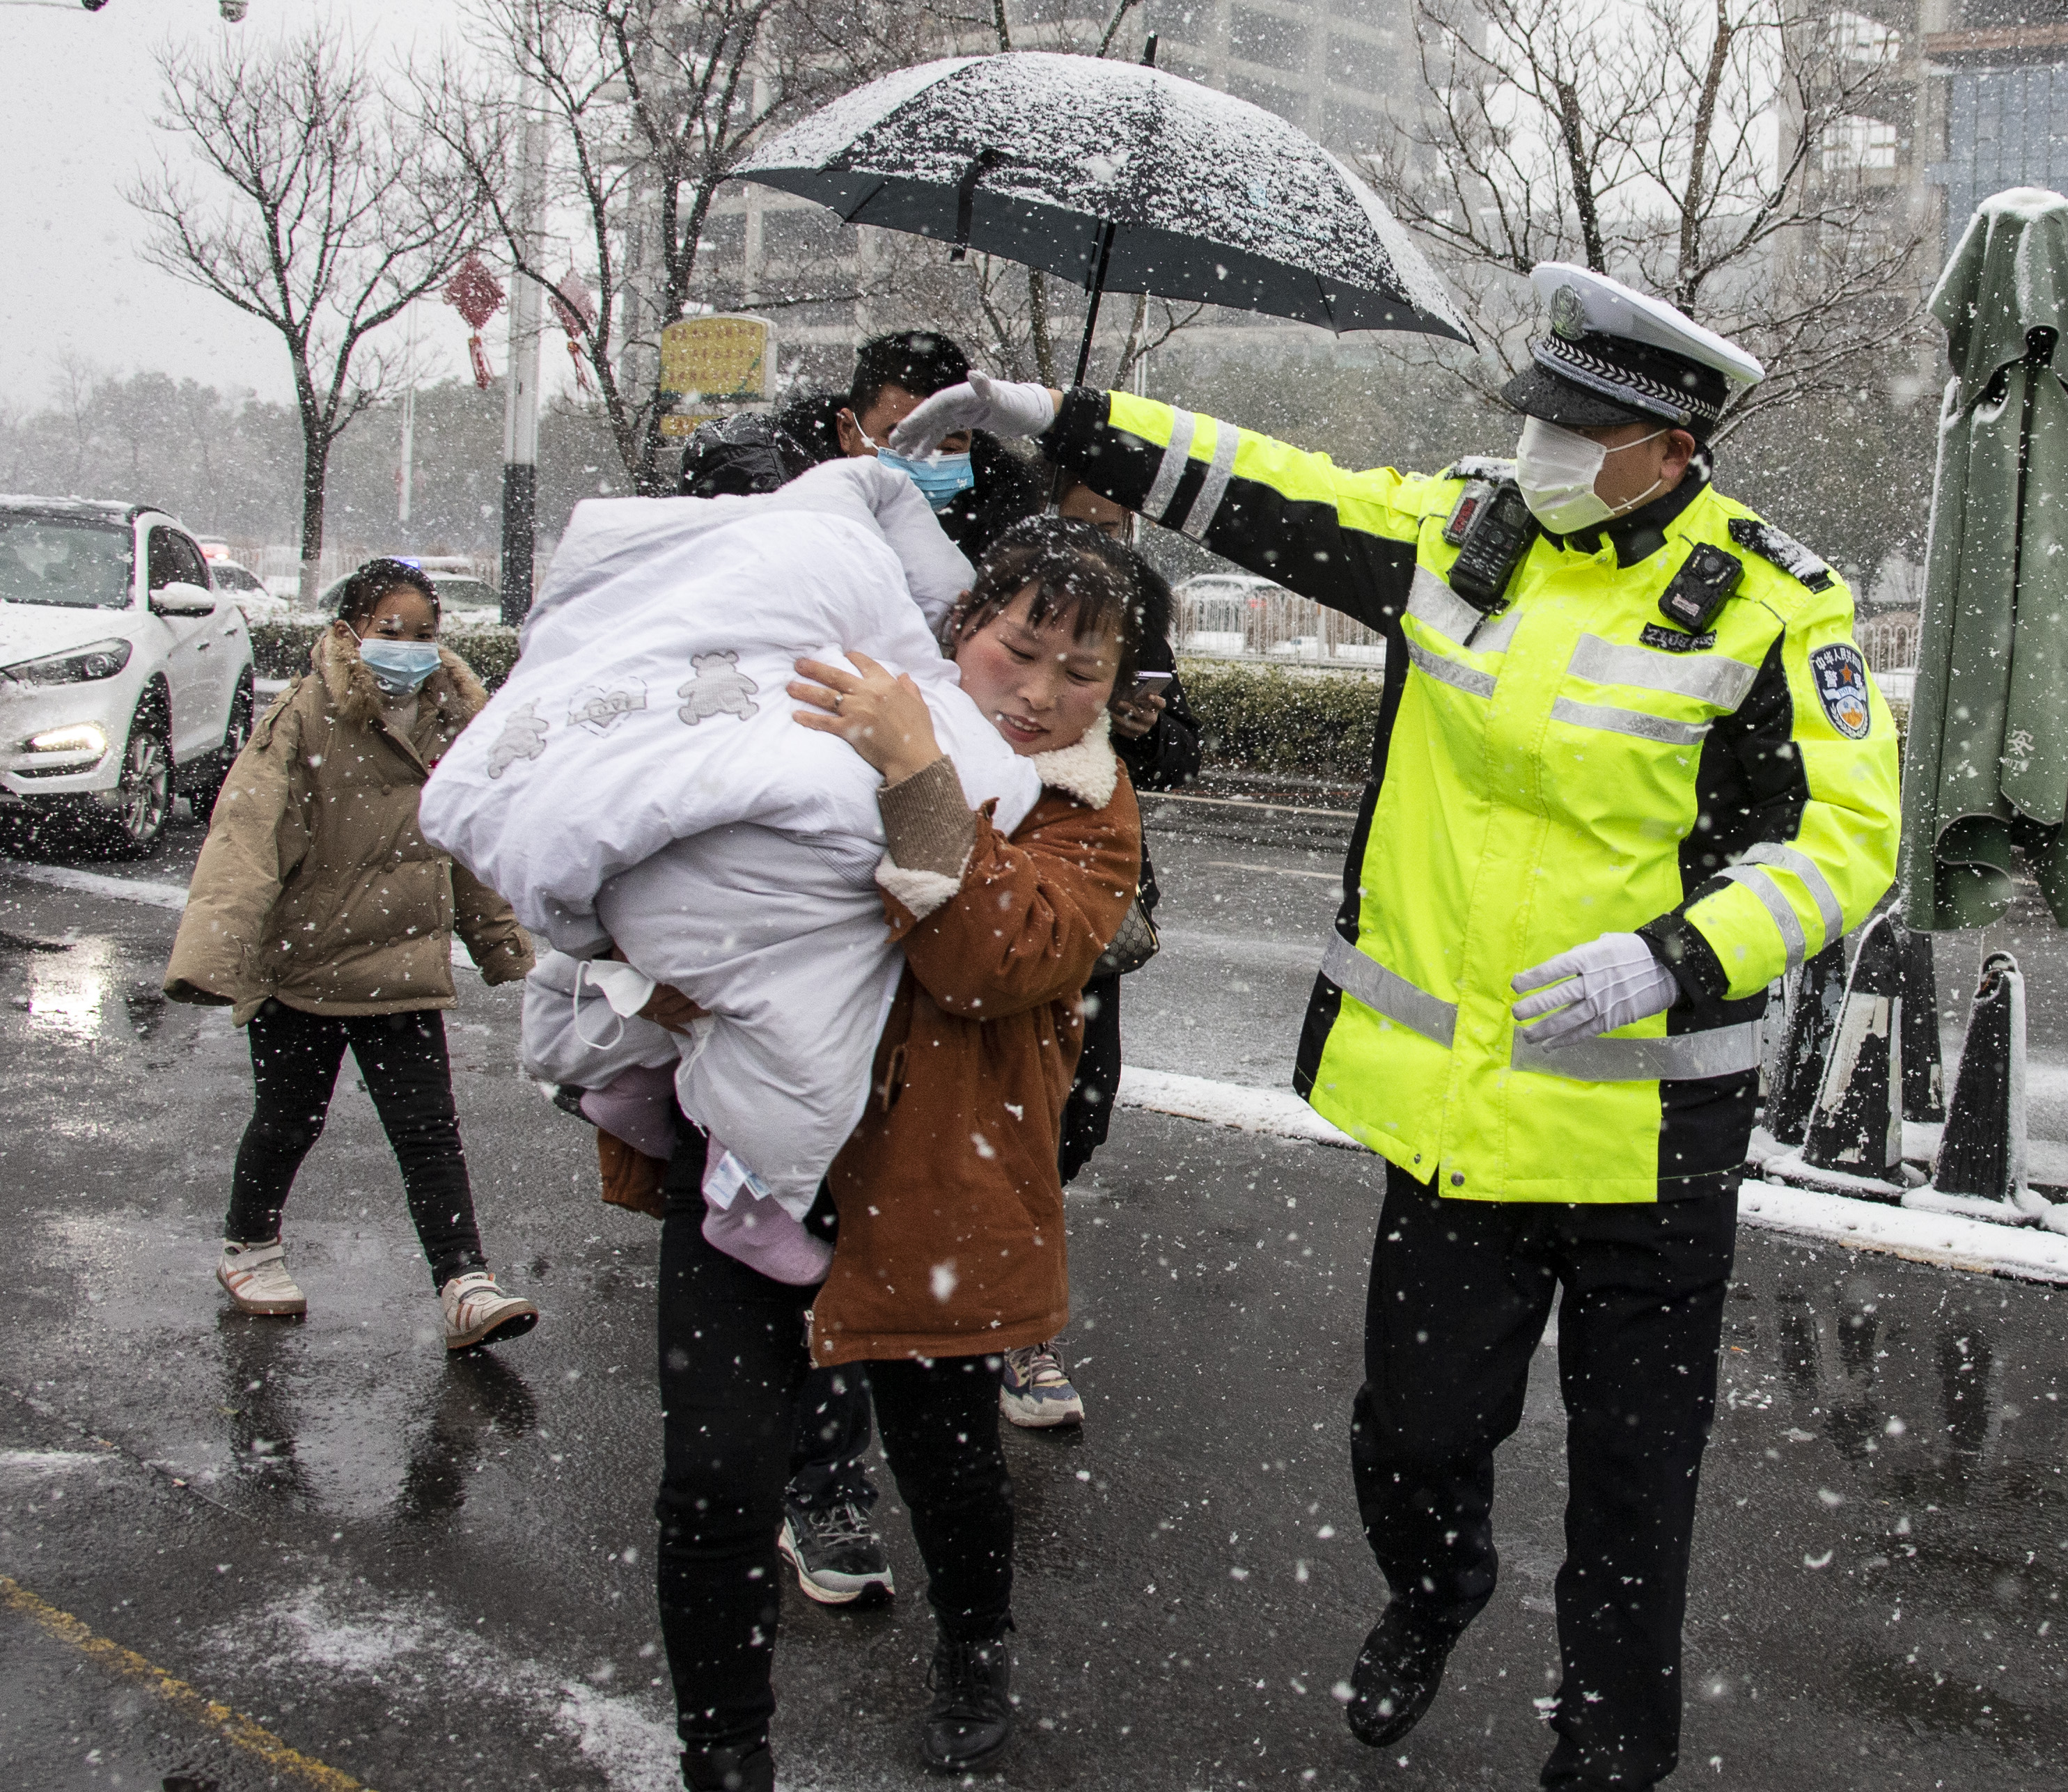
pixel 1944 1239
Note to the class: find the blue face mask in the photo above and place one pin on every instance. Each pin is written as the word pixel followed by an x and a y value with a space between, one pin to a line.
pixel 399 667
pixel 940 477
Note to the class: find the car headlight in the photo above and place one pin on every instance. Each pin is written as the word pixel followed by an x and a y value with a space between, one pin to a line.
pixel 82 665
pixel 82 737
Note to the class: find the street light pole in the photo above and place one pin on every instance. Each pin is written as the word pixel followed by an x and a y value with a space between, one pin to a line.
pixel 520 410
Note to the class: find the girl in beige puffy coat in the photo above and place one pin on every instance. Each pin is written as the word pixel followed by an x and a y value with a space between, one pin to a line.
pixel 321 916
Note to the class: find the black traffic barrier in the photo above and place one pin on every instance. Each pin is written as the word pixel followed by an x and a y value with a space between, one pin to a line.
pixel 1982 1152
pixel 1856 1126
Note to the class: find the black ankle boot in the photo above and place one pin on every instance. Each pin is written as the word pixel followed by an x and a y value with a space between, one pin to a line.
pixel 971 1719
pixel 743 1767
pixel 1396 1676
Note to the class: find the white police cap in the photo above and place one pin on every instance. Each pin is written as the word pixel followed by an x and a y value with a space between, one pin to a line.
pixel 1616 355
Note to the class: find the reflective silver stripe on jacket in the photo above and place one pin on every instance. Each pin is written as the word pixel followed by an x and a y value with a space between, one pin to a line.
pixel 1226 438
pixel 1171 468
pixel 1387 993
pixel 1497 634
pixel 1722 682
pixel 1431 602
pixel 1627 721
pixel 1762 885
pixel 1793 859
pixel 1690 1058
pixel 1449 671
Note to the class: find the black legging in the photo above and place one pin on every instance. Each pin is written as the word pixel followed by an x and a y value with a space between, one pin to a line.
pixel 732 1358
pixel 295 1060
pixel 1088 1111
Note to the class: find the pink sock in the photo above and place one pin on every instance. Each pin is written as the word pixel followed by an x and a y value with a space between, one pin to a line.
pixel 637 1106
pixel 755 1229
pixel 761 1236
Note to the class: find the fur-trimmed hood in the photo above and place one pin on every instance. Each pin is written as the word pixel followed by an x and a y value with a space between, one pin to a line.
pixel 347 680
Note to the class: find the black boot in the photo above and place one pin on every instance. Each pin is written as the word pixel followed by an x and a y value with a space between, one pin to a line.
pixel 971 1719
pixel 743 1767
pixel 1396 1676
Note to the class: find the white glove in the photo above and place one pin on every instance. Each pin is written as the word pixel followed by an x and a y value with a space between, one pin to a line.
pixel 1003 407
pixel 1594 988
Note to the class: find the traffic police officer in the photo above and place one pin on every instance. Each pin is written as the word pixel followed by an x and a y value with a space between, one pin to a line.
pixel 1629 769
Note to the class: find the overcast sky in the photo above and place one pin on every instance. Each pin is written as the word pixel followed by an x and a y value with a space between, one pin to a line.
pixel 82 90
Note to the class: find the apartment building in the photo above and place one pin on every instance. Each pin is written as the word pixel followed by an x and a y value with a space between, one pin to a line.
pixel 1995 100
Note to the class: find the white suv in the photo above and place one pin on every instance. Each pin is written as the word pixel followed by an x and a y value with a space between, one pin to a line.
pixel 122 671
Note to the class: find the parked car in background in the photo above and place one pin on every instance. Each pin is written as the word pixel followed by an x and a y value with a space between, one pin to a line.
pixel 245 589
pixel 124 674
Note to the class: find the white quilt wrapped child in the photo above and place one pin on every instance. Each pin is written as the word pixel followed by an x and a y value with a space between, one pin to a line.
pixel 639 782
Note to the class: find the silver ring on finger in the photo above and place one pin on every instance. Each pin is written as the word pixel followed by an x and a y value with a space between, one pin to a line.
pixel 839 698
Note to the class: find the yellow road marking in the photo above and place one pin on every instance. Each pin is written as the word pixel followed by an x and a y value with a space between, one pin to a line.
pixel 239 1732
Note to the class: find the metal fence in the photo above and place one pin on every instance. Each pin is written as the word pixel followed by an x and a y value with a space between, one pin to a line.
pixel 1241 619
pixel 1228 618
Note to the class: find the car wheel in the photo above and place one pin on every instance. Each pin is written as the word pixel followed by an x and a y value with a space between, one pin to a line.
pixel 134 824
pixel 236 736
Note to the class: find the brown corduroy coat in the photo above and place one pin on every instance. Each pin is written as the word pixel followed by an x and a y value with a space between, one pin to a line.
pixel 314 885
pixel 951 1207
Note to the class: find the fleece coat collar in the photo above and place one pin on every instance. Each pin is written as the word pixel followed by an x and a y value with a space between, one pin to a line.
pixel 1088 770
pixel 451 692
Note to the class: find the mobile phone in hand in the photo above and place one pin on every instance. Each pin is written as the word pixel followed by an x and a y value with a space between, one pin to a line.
pixel 1150 684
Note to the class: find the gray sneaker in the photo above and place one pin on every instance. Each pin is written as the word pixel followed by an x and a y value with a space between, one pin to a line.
pixel 839 1558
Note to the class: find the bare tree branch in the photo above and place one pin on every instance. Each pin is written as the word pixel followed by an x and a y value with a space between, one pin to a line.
pixel 326 218
pixel 1718 151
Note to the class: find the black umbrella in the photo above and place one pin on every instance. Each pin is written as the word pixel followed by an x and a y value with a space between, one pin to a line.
pixel 1118 175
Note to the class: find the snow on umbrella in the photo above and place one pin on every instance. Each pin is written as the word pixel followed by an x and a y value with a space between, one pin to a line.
pixel 1986 764
pixel 1118 175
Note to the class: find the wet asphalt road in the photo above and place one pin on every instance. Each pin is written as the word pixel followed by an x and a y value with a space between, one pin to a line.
pixel 428 1574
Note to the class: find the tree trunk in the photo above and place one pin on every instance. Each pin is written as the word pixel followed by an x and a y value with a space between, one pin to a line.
pixel 315 474
pixel 648 480
pixel 1037 326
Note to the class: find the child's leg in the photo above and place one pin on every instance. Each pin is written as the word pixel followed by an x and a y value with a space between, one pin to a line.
pixel 744 1222
pixel 939 1424
pixel 294 1058
pixel 637 1106
pixel 403 1058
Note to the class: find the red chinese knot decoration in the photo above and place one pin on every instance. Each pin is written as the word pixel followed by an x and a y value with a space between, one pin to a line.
pixel 476 295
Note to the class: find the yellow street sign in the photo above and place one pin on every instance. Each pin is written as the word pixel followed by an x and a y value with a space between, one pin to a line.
pixel 719 357
pixel 685 426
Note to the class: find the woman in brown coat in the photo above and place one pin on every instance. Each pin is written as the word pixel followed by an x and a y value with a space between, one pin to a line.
pixel 944 1203
pixel 323 918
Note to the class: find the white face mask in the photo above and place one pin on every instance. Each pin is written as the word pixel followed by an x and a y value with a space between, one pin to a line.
pixel 1556 467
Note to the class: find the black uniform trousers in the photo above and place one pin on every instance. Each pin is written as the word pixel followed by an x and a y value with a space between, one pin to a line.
pixel 732 1364
pixel 1460 1292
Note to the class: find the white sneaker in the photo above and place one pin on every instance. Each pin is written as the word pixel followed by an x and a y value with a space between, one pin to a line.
pixel 256 1277
pixel 478 1312
pixel 1035 1392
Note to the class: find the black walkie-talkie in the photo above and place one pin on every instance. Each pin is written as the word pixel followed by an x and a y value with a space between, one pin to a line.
pixel 1492 528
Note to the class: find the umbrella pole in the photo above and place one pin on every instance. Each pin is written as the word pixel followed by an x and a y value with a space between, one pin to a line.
pixel 1097 290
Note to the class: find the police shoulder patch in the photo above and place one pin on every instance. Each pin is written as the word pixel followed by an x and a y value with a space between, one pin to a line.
pixel 1841 676
pixel 1783 550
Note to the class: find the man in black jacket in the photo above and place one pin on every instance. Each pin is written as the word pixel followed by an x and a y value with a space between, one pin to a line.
pixel 975 484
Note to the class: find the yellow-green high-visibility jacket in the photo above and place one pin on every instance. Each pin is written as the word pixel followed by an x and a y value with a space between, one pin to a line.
pixel 1571 767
